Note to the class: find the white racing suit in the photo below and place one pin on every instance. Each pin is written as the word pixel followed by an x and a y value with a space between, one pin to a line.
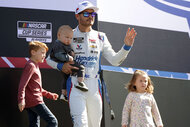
pixel 86 107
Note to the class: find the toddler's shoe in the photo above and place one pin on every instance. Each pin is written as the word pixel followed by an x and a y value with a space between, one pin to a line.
pixel 81 86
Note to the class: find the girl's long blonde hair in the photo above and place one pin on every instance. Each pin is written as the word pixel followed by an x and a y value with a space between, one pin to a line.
pixel 131 87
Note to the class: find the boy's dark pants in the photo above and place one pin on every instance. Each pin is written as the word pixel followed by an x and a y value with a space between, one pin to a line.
pixel 41 111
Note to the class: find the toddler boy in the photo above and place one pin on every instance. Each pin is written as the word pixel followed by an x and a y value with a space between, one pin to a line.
pixel 61 52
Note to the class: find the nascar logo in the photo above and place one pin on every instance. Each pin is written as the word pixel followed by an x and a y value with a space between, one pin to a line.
pixel 34 25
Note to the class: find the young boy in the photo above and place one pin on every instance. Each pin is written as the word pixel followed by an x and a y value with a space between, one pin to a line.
pixel 30 92
pixel 62 52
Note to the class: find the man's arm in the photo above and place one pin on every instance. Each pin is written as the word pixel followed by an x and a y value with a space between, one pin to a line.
pixel 117 58
pixel 65 67
pixel 52 63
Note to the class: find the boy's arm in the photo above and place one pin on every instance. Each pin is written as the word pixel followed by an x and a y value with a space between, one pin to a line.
pixel 26 75
pixel 21 107
pixel 49 95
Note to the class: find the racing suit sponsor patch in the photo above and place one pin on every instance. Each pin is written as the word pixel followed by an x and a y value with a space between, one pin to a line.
pixel 79 52
pixel 89 61
pixel 78 40
pixel 92 40
pixel 93 46
pixel 96 52
pixel 79 47
pixel 101 37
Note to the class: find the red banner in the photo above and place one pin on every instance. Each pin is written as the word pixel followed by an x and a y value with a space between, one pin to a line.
pixel 18 62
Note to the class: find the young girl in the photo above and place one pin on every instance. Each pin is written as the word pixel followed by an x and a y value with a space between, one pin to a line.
pixel 140 106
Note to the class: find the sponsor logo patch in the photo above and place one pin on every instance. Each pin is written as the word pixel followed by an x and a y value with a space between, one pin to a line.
pixel 101 37
pixel 93 46
pixel 96 52
pixel 79 52
pixel 92 40
pixel 78 40
pixel 89 61
pixel 79 47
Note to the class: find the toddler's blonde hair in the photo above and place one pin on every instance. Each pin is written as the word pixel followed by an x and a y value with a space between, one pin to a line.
pixel 64 28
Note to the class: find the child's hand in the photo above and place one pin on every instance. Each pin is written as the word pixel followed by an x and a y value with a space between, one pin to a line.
pixel 55 96
pixel 64 92
pixel 21 107
pixel 72 54
pixel 70 58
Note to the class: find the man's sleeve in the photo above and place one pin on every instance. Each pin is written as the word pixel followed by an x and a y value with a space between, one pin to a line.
pixel 115 58
pixel 54 64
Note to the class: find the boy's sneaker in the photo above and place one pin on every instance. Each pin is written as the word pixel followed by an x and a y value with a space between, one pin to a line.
pixel 63 97
pixel 81 86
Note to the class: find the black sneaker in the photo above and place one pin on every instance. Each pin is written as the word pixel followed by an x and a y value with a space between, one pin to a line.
pixel 81 86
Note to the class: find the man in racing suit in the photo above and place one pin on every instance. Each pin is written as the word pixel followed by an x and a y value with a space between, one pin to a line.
pixel 89 45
